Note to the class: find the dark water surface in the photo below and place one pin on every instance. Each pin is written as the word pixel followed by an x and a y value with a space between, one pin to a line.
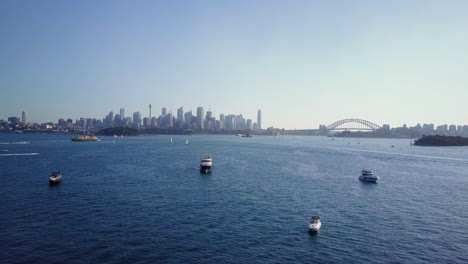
pixel 143 200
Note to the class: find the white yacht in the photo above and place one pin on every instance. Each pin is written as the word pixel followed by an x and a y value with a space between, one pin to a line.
pixel 171 140
pixel 116 136
pixel 55 177
pixel 315 224
pixel 206 163
pixel 368 176
pixel 186 141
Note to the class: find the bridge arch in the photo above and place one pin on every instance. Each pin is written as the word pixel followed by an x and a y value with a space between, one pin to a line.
pixel 367 125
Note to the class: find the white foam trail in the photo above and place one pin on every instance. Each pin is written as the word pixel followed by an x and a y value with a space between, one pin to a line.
pixel 14 143
pixel 396 154
pixel 21 154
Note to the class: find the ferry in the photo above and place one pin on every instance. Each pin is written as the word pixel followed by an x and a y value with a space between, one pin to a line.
pixel 85 138
pixel 206 163
pixel 368 176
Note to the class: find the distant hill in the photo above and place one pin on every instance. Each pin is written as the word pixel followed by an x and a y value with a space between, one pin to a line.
pixel 125 131
pixel 441 141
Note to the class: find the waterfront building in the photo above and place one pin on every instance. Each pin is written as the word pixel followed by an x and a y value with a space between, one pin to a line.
pixel 62 123
pixel 14 120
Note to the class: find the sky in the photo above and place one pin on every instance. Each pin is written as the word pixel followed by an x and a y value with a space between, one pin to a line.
pixel 303 63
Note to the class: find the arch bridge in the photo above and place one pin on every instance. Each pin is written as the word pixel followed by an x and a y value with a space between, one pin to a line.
pixel 357 124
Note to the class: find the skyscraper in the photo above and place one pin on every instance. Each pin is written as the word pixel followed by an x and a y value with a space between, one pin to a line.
pixel 170 120
pixel 259 119
pixel 122 113
pixel 188 118
pixel 163 111
pixel 23 118
pixel 200 117
pixel 137 119
pixel 180 115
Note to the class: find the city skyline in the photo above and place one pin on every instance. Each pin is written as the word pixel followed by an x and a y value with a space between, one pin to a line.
pixel 305 63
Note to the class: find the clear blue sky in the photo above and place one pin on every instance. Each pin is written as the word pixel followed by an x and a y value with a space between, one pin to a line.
pixel 304 63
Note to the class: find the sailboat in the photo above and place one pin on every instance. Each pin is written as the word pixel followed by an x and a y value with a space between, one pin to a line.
pixel 171 140
pixel 186 141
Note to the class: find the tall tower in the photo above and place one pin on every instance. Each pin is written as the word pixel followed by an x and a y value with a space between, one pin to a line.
pixel 259 119
pixel 122 113
pixel 163 111
pixel 150 111
pixel 23 118
pixel 200 117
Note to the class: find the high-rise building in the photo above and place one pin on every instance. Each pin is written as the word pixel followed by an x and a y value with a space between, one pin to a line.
pixel 180 115
pixel 163 111
pixel 230 122
pixel 23 118
pixel 150 111
pixel 259 119
pixel 137 119
pixel 188 118
pixel 122 113
pixel 248 124
pixel 200 117
pixel 170 120
pixel 222 122
pixel 209 114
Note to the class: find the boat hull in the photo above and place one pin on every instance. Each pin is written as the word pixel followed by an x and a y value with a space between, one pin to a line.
pixel 315 227
pixel 55 181
pixel 205 169
pixel 367 179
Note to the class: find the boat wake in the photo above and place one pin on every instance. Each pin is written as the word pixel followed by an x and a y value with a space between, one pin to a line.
pixel 21 154
pixel 396 154
pixel 14 143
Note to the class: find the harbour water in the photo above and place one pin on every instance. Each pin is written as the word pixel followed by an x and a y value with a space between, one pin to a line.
pixel 143 200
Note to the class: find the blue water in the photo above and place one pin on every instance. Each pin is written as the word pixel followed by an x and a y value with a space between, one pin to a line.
pixel 143 200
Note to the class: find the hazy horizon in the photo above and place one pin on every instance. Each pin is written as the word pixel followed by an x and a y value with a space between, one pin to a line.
pixel 303 63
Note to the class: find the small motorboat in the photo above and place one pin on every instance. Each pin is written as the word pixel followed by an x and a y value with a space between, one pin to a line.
pixel 315 224
pixel 206 163
pixel 186 142
pixel 368 176
pixel 171 140
pixel 55 177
